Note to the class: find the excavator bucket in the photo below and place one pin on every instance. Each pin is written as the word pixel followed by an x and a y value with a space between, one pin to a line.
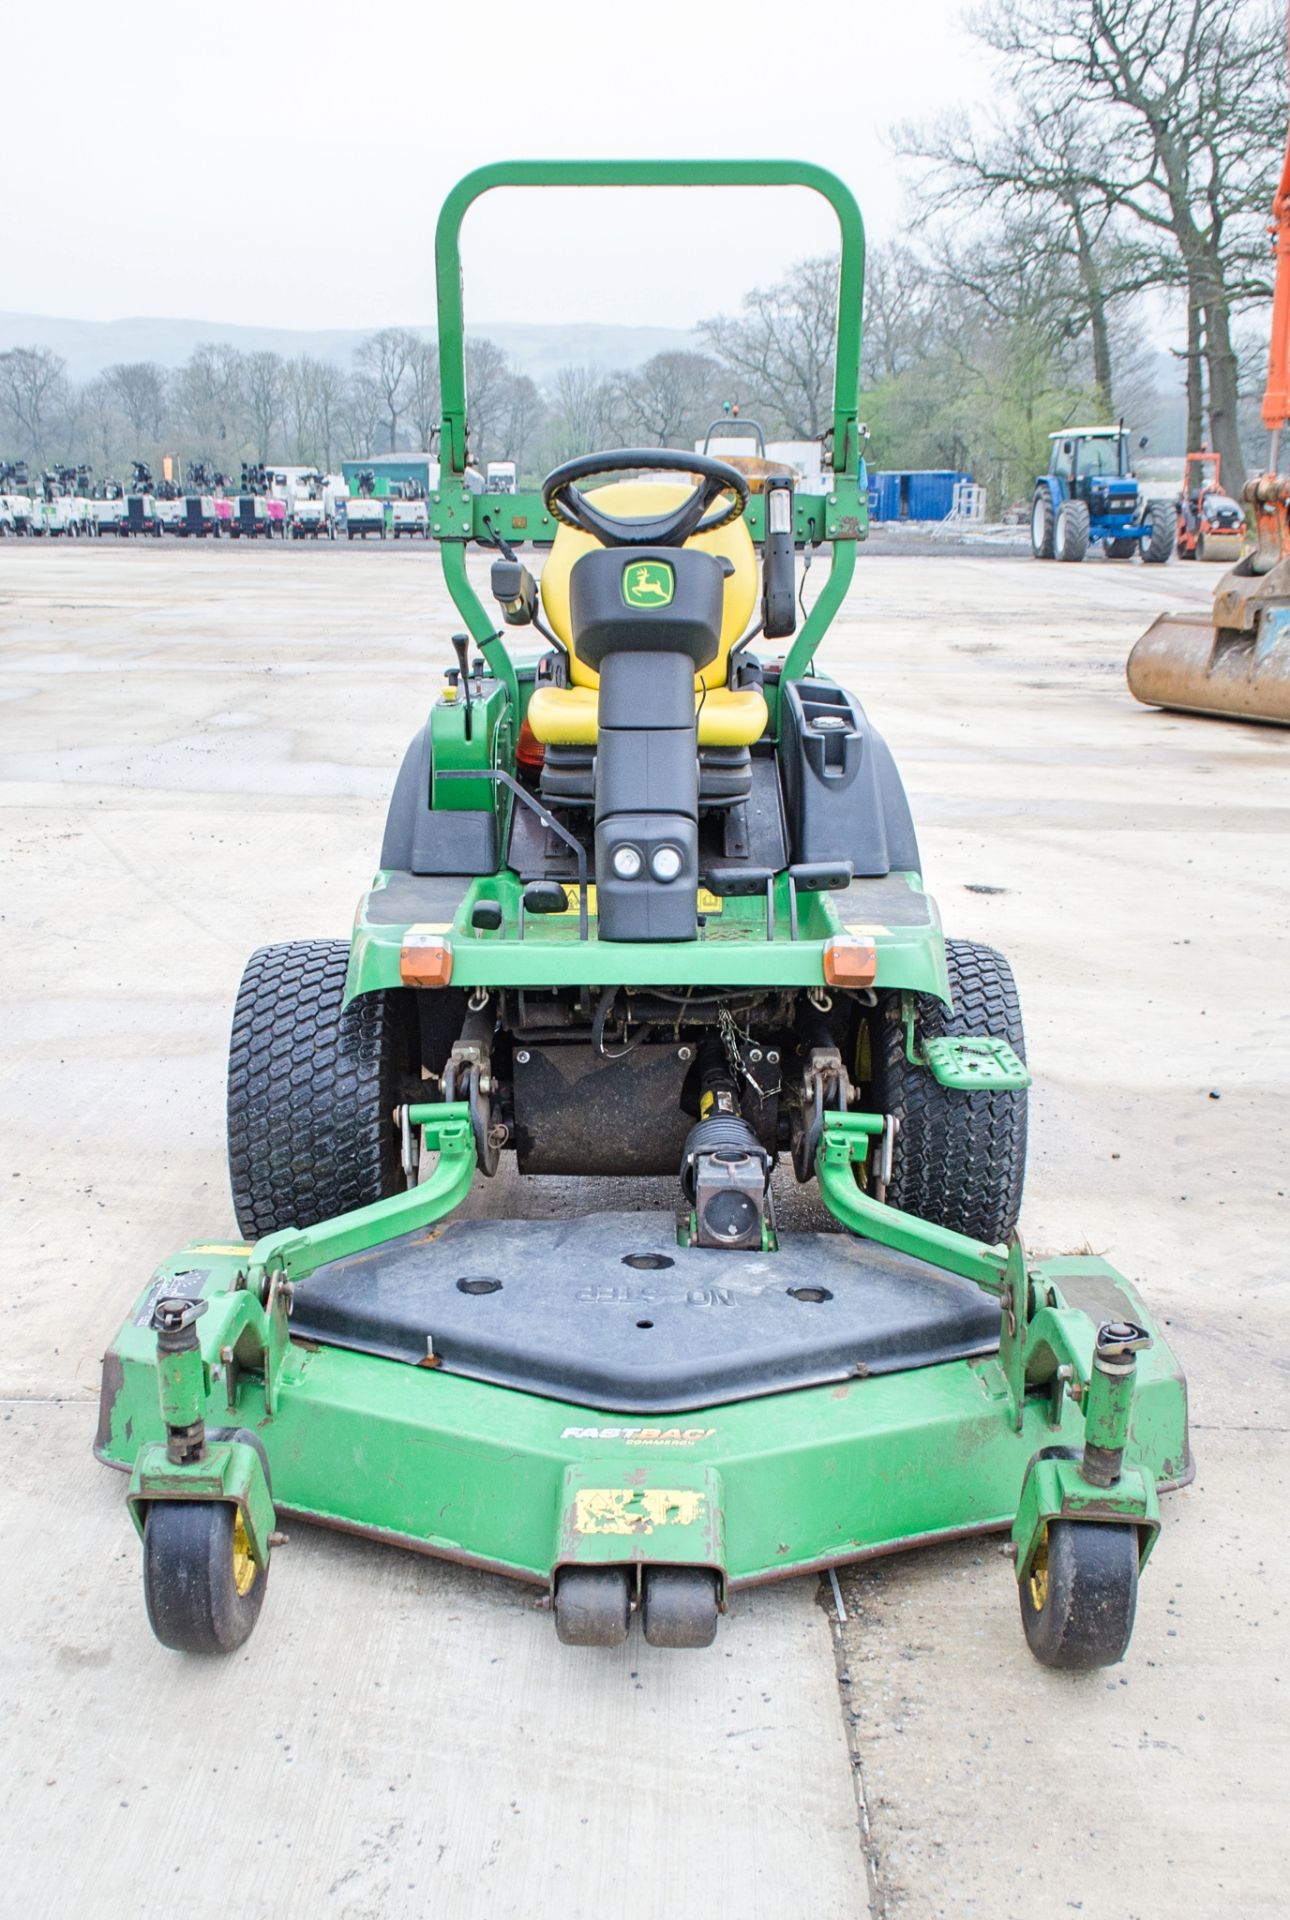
pixel 1236 664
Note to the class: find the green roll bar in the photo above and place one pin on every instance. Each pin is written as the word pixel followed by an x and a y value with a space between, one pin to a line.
pixel 458 515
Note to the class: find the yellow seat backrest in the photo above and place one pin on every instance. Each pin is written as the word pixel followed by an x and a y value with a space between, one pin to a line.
pixel 637 498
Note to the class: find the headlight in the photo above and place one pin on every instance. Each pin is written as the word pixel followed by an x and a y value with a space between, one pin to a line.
pixel 626 862
pixel 665 863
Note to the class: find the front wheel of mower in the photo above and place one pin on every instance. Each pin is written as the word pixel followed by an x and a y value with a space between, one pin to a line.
pixel 202 1589
pixel 680 1606
pixel 593 1606
pixel 313 1089
pixel 958 1159
pixel 1080 1596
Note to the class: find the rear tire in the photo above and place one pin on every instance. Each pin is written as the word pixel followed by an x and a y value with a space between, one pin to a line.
pixel 958 1159
pixel 1070 539
pixel 312 1090
pixel 1041 525
pixel 1160 546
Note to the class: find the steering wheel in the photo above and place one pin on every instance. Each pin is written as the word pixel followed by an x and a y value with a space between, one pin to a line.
pixel 561 497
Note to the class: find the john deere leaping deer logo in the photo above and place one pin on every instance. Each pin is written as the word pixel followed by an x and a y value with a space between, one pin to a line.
pixel 648 583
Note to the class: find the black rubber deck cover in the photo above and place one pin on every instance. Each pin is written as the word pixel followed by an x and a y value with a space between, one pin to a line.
pixel 606 1311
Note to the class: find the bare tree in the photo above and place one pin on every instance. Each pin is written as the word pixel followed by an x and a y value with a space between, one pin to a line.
pixel 141 390
pixel 423 400
pixel 782 347
pixel 299 405
pixel 581 409
pixel 361 413
pixel 387 361
pixel 210 404
pixel 102 426
pixel 1186 100
pixel 264 386
pixel 669 400
pixel 488 379
pixel 330 392
pixel 902 302
pixel 1031 170
pixel 523 418
pixel 34 394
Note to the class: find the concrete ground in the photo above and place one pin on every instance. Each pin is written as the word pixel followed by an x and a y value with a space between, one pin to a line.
pixel 198 747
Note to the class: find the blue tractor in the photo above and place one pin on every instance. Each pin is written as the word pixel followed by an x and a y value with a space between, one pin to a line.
pixel 1089 494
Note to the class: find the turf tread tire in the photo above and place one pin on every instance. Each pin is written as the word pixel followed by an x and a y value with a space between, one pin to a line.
pixel 959 1159
pixel 312 1089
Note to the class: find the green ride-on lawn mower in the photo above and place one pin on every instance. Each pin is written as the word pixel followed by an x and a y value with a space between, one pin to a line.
pixel 649 903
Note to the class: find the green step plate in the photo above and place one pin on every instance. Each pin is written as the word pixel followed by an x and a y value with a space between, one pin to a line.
pixel 975 1060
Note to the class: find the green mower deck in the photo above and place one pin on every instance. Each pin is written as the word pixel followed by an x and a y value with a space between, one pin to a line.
pixel 674 927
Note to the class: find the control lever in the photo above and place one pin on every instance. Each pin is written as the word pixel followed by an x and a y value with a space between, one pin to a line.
pixel 461 647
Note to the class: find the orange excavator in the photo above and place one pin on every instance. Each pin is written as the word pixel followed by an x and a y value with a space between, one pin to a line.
pixel 1238 665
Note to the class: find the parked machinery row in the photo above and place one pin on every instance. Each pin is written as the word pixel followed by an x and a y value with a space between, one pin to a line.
pixel 196 502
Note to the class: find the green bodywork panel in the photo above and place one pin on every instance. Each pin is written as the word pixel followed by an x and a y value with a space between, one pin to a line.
pixel 733 950
pixel 468 734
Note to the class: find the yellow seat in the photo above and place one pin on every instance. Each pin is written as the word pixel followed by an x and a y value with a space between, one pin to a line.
pixel 728 716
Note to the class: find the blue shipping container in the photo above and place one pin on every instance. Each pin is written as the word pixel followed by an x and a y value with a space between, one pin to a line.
pixel 917 494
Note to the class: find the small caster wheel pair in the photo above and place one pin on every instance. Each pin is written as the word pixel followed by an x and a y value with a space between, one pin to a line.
pixel 1079 1598
pixel 680 1606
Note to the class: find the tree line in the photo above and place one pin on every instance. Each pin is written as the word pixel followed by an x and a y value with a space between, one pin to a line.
pixel 1128 156
pixel 225 407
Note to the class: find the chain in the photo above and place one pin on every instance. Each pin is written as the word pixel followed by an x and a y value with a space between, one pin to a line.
pixel 731 1034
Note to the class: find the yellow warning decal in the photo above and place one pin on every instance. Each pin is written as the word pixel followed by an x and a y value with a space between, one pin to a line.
pixel 636 1509
pixel 222 1246
pixel 708 902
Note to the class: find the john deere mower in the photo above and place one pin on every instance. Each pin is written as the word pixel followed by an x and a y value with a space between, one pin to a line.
pixel 649 903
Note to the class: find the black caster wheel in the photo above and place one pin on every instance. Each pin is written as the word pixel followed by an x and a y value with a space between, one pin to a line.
pixel 202 1588
pixel 1078 1601
pixel 593 1606
pixel 680 1607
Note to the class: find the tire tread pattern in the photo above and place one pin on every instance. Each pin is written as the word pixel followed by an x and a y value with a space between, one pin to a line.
pixel 311 1089
pixel 959 1158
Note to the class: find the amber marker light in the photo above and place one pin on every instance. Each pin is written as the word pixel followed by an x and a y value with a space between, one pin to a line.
pixel 850 963
pixel 425 959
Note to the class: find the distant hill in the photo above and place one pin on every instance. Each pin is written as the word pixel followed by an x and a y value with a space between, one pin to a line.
pixel 90 345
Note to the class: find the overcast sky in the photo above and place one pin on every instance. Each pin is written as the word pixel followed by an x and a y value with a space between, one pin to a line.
pixel 283 165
